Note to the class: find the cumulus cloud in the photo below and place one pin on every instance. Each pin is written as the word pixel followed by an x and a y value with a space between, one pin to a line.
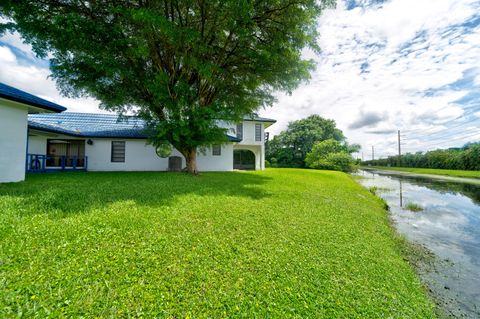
pixel 411 62
pixel 381 132
pixel 32 76
pixel 6 55
pixel 367 119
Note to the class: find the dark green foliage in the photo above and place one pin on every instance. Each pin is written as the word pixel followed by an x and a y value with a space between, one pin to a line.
pixel 180 64
pixel 290 147
pixel 330 155
pixel 466 158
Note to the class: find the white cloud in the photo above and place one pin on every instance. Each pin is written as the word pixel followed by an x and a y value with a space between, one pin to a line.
pixel 6 55
pixel 410 51
pixel 14 39
pixel 477 81
pixel 34 79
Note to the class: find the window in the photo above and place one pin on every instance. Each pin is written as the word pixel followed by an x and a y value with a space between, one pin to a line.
pixel 258 132
pixel 216 150
pixel 240 130
pixel 118 151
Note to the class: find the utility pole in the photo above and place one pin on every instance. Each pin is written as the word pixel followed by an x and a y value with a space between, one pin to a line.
pixel 373 153
pixel 399 150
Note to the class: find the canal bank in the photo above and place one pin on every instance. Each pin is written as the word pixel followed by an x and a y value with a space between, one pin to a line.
pixel 446 225
pixel 466 180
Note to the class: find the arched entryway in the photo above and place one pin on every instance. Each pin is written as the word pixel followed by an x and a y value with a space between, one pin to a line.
pixel 243 159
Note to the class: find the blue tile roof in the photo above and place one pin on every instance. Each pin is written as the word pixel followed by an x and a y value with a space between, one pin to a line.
pixel 89 125
pixel 10 93
pixel 92 125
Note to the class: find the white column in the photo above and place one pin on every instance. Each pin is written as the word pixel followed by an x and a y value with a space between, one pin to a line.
pixel 262 150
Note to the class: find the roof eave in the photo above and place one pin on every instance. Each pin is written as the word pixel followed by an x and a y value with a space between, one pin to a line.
pixel 58 109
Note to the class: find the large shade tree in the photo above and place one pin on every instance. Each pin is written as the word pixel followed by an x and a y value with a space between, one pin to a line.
pixel 179 64
pixel 290 147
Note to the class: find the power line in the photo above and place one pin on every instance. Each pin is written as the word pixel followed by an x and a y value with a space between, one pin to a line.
pixel 425 146
pixel 468 112
pixel 447 128
pixel 434 137
pixel 439 144
pixel 453 137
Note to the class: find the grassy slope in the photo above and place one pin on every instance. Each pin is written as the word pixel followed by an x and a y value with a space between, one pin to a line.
pixel 446 172
pixel 282 243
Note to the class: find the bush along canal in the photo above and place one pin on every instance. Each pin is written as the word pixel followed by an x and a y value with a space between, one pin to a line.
pixel 444 218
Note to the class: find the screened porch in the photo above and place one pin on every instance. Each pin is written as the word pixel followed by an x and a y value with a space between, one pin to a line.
pixel 61 155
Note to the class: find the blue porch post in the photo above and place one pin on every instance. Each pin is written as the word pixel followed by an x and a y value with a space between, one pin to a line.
pixel 44 158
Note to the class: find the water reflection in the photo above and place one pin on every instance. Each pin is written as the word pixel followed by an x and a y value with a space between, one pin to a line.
pixel 448 226
pixel 401 193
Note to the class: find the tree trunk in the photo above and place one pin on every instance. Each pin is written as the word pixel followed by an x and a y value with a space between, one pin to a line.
pixel 191 158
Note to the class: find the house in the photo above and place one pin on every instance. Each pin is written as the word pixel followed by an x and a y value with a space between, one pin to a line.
pixel 106 142
pixel 15 105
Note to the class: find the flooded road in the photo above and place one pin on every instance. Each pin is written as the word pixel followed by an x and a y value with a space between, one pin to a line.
pixel 447 223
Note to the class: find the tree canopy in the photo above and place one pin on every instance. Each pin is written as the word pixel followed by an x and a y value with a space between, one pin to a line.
pixel 290 147
pixel 180 64
pixel 464 158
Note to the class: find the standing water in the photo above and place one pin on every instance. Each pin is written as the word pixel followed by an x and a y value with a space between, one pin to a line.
pixel 444 217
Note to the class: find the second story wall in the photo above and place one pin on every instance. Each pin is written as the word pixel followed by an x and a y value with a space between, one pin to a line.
pixel 252 132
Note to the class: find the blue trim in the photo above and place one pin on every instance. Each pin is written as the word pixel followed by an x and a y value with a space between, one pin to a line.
pixel 233 138
pixel 259 119
pixel 37 163
pixel 10 93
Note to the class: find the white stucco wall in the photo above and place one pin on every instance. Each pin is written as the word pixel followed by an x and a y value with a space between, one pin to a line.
pixel 142 157
pixel 248 131
pixel 138 155
pixel 37 144
pixel 207 162
pixel 13 141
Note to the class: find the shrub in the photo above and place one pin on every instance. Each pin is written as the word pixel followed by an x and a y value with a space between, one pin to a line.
pixel 321 150
pixel 267 164
pixel 413 207
pixel 330 155
pixel 342 160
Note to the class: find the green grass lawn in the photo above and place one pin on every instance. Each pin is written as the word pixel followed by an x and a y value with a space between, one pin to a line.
pixel 280 243
pixel 433 171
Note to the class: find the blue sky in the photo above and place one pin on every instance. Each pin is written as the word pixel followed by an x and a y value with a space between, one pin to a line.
pixel 412 65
